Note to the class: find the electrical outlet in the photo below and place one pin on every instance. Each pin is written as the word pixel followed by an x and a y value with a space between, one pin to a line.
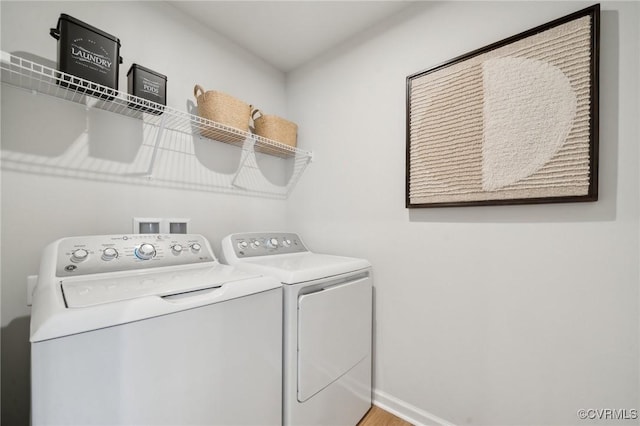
pixel 177 226
pixel 147 225
pixel 156 225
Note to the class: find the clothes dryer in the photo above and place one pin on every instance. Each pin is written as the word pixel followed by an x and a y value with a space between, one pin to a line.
pixel 327 325
pixel 150 330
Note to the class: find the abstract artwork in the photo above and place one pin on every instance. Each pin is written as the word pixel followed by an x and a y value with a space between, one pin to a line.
pixel 515 122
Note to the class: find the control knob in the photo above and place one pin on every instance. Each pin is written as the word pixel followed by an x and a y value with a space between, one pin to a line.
pixel 176 249
pixel 195 247
pixel 79 255
pixel 145 251
pixel 286 242
pixel 272 243
pixel 109 254
pixel 255 244
pixel 243 245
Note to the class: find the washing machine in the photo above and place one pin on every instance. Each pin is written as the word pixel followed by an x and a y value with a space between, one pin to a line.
pixel 153 330
pixel 327 325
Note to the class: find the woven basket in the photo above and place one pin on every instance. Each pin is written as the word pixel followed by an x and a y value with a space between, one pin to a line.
pixel 223 109
pixel 275 128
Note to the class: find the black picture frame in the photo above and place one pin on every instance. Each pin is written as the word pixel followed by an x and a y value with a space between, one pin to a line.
pixel 448 164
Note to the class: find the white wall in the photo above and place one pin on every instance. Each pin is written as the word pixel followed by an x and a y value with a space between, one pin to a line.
pixel 38 208
pixel 484 315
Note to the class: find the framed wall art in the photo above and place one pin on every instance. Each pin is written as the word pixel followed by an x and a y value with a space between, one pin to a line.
pixel 515 122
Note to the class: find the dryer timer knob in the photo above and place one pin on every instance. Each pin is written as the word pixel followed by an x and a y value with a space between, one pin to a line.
pixel 195 247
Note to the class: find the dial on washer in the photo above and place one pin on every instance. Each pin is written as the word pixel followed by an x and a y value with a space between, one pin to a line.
pixel 109 254
pixel 145 251
pixel 79 255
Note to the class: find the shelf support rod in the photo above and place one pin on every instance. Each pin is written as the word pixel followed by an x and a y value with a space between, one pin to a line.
pixel 154 154
pixel 90 102
pixel 294 179
pixel 247 150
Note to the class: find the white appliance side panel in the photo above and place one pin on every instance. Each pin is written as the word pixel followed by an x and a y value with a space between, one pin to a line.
pixel 334 334
pixel 219 364
pixel 342 403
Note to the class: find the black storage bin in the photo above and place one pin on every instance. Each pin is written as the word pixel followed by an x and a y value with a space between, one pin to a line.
pixel 89 53
pixel 147 84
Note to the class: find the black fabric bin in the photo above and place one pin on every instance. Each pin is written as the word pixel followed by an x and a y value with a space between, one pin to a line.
pixel 147 84
pixel 89 53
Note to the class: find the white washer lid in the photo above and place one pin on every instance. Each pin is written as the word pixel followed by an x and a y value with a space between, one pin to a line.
pixel 301 267
pixel 177 289
pixel 107 288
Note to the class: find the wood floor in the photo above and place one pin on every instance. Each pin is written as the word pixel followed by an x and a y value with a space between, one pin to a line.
pixel 378 417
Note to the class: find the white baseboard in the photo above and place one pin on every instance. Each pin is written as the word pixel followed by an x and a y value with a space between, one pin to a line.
pixel 406 411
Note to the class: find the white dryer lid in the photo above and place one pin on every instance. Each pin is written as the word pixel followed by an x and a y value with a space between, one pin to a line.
pixel 301 267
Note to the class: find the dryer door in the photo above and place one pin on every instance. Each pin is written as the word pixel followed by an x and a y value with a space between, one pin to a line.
pixel 334 333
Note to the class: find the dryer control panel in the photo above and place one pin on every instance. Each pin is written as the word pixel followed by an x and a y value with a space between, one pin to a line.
pixel 111 253
pixel 265 244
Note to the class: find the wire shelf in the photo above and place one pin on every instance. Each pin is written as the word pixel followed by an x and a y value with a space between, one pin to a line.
pixel 169 123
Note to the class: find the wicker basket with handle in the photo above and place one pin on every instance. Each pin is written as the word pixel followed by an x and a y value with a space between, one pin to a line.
pixel 224 109
pixel 276 129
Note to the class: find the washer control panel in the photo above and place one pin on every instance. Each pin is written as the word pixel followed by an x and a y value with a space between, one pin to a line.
pixel 265 244
pixel 110 253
